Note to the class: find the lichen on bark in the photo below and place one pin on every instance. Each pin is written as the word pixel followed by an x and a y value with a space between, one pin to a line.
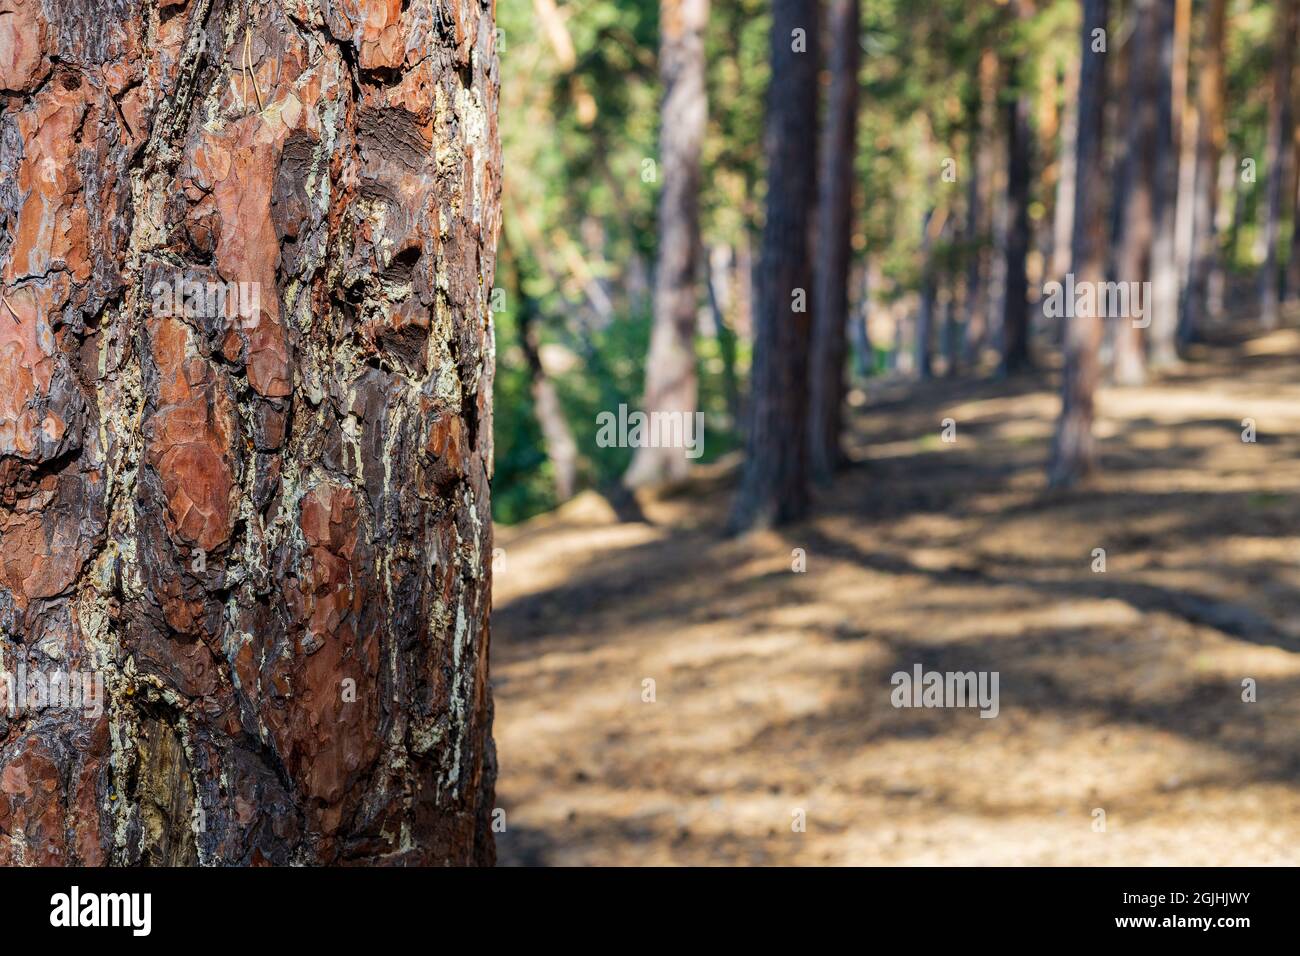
pixel 268 529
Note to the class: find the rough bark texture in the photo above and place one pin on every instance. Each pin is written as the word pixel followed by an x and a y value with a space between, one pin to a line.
pixel 1210 138
pixel 774 486
pixel 1074 450
pixel 268 528
pixel 671 378
pixel 834 227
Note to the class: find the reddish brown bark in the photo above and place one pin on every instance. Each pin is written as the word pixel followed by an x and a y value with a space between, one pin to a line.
pixel 774 485
pixel 834 228
pixel 268 530
pixel 1074 448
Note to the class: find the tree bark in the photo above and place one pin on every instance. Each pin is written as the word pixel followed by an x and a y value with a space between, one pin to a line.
pixel 266 528
pixel 1133 261
pixel 932 227
pixel 1278 158
pixel 834 229
pixel 671 378
pixel 1015 307
pixel 1162 333
pixel 719 275
pixel 774 484
pixel 1074 449
pixel 557 436
pixel 1063 214
pixel 979 212
pixel 1210 138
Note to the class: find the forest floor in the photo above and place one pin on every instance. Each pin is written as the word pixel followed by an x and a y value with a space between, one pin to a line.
pixel 1119 691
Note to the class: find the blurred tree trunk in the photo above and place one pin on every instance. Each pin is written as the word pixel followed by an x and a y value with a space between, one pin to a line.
pixel 671 380
pixel 979 214
pixel 1209 148
pixel 1292 285
pixel 1277 159
pixel 1015 302
pixel 931 232
pixel 1162 333
pixel 863 348
pixel 265 527
pixel 1137 231
pixel 1187 117
pixel 774 485
pixel 834 232
pixel 1074 448
pixel 1063 217
pixel 557 436
pixel 719 273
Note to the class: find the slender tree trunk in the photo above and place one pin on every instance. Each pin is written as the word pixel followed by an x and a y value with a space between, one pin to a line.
pixel 931 231
pixel 862 342
pixel 1291 285
pixel 1133 260
pixel 265 527
pixel 1162 334
pixel 557 436
pixel 1187 117
pixel 1291 290
pixel 671 380
pixel 1063 217
pixel 1074 449
pixel 1209 148
pixel 774 485
pixel 1278 159
pixel 979 215
pixel 1015 303
pixel 720 301
pixel 834 232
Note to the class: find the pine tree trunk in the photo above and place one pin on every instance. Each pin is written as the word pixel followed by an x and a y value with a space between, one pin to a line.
pixel 834 228
pixel 1015 307
pixel 1162 333
pixel 983 150
pixel 1277 160
pixel 923 343
pixel 265 526
pixel 1074 449
pixel 557 436
pixel 774 484
pixel 1133 261
pixel 1210 138
pixel 1063 214
pixel 671 378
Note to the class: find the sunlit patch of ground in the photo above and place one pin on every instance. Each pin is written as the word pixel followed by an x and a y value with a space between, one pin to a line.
pixel 1119 692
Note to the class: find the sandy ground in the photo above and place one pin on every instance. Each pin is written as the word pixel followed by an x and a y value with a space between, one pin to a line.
pixel 1119 691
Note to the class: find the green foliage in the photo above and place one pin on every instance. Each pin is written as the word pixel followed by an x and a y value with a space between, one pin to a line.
pixel 581 214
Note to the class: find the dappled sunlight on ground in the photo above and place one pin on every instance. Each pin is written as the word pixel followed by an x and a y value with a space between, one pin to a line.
pixel 1119 691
